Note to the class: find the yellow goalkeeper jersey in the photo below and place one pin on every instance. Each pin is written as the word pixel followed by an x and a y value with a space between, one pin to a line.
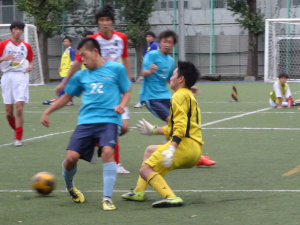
pixel 185 117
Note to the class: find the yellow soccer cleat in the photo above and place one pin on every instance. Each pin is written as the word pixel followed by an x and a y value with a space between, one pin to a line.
pixel 108 205
pixel 76 195
pixel 134 196
pixel 168 202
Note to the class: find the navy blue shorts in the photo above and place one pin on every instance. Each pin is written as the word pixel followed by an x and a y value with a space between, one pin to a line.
pixel 159 108
pixel 86 136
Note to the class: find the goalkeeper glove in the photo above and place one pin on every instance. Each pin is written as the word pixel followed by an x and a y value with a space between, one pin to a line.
pixel 168 156
pixel 144 127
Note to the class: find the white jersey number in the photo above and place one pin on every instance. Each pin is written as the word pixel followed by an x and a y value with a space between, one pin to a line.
pixel 97 88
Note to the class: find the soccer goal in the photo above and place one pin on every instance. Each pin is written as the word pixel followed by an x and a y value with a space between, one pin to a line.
pixel 29 36
pixel 282 49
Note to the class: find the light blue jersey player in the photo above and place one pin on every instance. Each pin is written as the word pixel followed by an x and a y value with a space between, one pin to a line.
pixel 104 87
pixel 158 67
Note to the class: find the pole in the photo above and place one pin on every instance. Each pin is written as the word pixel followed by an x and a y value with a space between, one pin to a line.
pixel 174 26
pixel 100 3
pixel 212 60
pixel 181 30
pixel 63 29
pixel 288 44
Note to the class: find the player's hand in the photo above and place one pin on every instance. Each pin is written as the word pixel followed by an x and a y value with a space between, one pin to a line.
pixel 45 120
pixel 60 87
pixel 168 156
pixel 119 109
pixel 9 57
pixel 144 127
pixel 153 68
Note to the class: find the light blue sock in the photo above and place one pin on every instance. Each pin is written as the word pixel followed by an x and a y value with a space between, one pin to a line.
pixel 68 176
pixel 109 178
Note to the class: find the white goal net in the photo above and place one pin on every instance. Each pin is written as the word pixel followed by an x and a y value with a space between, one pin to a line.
pixel 282 49
pixel 29 36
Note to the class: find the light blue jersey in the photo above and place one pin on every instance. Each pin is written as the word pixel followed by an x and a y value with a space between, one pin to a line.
pixel 101 89
pixel 154 86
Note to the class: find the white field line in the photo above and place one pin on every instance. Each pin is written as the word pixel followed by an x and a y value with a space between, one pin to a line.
pixel 250 128
pixel 193 191
pixel 234 117
pixel 39 137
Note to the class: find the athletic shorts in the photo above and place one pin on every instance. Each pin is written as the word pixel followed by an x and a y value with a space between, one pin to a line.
pixel 159 108
pixel 125 115
pixel 15 87
pixel 186 156
pixel 86 136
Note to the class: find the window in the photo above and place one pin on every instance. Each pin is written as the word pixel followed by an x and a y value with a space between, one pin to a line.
pixel 218 4
pixel 163 5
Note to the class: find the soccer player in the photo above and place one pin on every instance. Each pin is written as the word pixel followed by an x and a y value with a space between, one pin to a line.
pixel 66 61
pixel 151 45
pixel 114 47
pixel 101 86
pixel 158 67
pixel 16 61
pixel 184 147
pixel 281 92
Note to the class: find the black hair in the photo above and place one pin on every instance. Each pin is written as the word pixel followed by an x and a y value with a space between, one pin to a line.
pixel 90 44
pixel 68 38
pixel 150 33
pixel 105 11
pixel 88 33
pixel 168 33
pixel 283 75
pixel 190 73
pixel 17 24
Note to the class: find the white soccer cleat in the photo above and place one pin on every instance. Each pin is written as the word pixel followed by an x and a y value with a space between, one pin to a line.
pixel 17 143
pixel 121 169
pixel 138 105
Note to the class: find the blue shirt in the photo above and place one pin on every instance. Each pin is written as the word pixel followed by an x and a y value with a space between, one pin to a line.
pixel 151 46
pixel 101 88
pixel 155 85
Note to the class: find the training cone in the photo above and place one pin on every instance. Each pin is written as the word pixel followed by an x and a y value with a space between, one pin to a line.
pixel 234 95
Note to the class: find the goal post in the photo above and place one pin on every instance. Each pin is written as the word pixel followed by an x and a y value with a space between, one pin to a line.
pixel 30 36
pixel 282 49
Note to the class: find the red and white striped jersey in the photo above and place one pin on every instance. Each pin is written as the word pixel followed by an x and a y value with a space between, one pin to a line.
pixel 22 52
pixel 112 49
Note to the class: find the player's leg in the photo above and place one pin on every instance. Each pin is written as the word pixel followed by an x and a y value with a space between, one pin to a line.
pixel 8 99
pixel 69 169
pixel 20 84
pixel 9 109
pixel 124 129
pixel 107 139
pixel 81 145
pixel 109 177
pixel 19 120
pixel 138 193
pixel 159 108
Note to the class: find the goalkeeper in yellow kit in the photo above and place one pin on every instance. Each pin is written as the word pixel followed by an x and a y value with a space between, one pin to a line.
pixel 184 148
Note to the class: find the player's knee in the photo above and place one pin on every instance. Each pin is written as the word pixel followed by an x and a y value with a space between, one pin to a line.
pixel 149 151
pixel 71 159
pixel 124 129
pixel 107 154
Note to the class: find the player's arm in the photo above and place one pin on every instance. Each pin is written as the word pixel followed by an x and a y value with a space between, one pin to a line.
pixel 124 101
pixel 127 66
pixel 144 127
pixel 74 68
pixel 147 73
pixel 61 102
pixel 29 68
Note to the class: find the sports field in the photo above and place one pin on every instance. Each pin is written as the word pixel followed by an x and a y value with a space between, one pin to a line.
pixel 256 148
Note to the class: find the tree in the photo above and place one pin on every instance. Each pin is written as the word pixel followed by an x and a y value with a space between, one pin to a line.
pixel 136 14
pixel 47 15
pixel 253 21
